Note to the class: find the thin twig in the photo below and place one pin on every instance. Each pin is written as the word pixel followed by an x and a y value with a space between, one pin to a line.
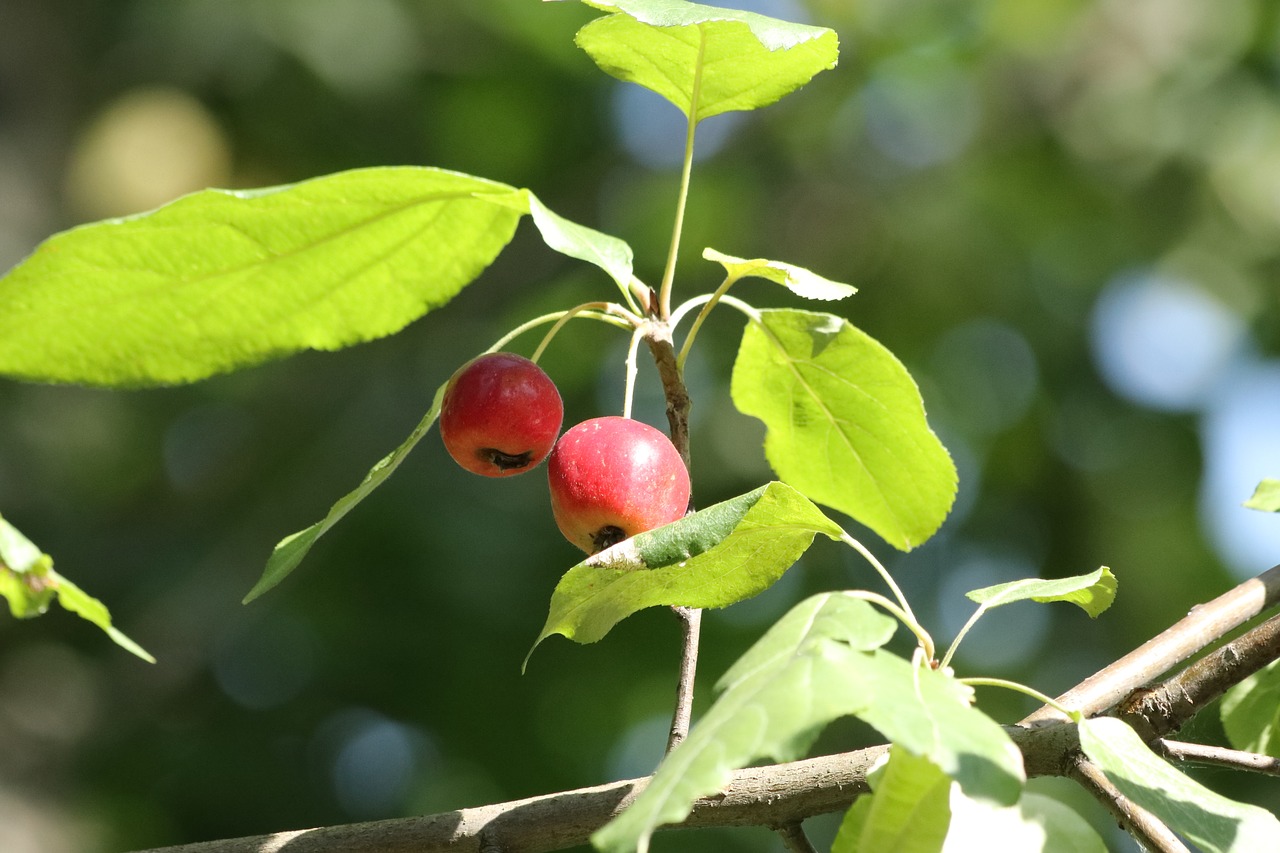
pixel 682 717
pixel 794 839
pixel 1205 624
pixel 1146 828
pixel 1217 756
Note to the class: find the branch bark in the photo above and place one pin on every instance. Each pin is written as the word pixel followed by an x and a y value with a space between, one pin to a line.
pixel 1157 711
pixel 658 337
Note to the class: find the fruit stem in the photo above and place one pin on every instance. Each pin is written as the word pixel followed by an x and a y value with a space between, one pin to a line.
pixel 601 310
pixel 955 644
pixel 629 395
pixel 1022 688
pixel 702 315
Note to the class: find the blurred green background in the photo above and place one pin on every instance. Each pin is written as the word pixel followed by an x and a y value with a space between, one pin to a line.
pixel 1063 216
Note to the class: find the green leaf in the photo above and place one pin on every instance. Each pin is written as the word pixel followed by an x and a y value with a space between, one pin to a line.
pixel 1251 712
pixel 706 60
pixel 219 280
pixel 908 812
pixel 846 425
pixel 29 584
pixel 87 607
pixel 712 558
pixel 569 238
pixel 1209 820
pixel 819 663
pixel 289 552
pixel 1266 497
pixel 586 244
pixel 1037 824
pixel 1093 593
pixel 798 280
pixel 27 580
pixel 775 707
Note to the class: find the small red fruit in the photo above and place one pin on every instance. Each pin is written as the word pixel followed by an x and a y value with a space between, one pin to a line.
pixel 500 415
pixel 612 478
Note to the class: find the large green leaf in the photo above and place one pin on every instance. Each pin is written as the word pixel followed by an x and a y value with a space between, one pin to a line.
pixel 573 240
pixel 916 808
pixel 1209 820
pixel 219 280
pixel 1251 712
pixel 29 584
pixel 819 662
pixel 846 425
pixel 1037 824
pixel 772 705
pixel 908 812
pixel 703 59
pixel 712 558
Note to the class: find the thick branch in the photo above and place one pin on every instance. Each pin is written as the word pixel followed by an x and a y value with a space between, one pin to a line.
pixel 778 795
pixel 1157 711
pixel 1205 624
pixel 782 795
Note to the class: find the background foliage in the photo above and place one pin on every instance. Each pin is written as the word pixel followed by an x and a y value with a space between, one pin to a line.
pixel 1061 215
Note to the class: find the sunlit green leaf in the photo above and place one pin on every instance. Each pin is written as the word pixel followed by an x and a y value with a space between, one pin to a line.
pixel 798 280
pixel 87 607
pixel 1251 712
pixel 1266 497
pixel 703 59
pixel 1209 820
pixel 29 584
pixel 289 552
pixel 1093 593
pixel 568 238
pixel 846 424
pixel 812 668
pixel 908 812
pixel 1037 824
pixel 219 280
pixel 712 558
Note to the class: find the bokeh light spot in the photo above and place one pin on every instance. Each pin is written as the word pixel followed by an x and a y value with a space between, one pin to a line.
pixel 1239 431
pixel 147 147
pixel 1162 342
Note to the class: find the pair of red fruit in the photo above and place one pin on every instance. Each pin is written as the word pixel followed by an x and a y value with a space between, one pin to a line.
pixel 610 477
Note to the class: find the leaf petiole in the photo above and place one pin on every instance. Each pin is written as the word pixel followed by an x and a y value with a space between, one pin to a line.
pixel 708 303
pixel 1075 716
pixel 686 170
pixel 955 644
pixel 903 616
pixel 605 311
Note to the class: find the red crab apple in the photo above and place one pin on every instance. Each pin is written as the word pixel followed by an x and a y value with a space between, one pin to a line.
pixel 500 415
pixel 612 478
